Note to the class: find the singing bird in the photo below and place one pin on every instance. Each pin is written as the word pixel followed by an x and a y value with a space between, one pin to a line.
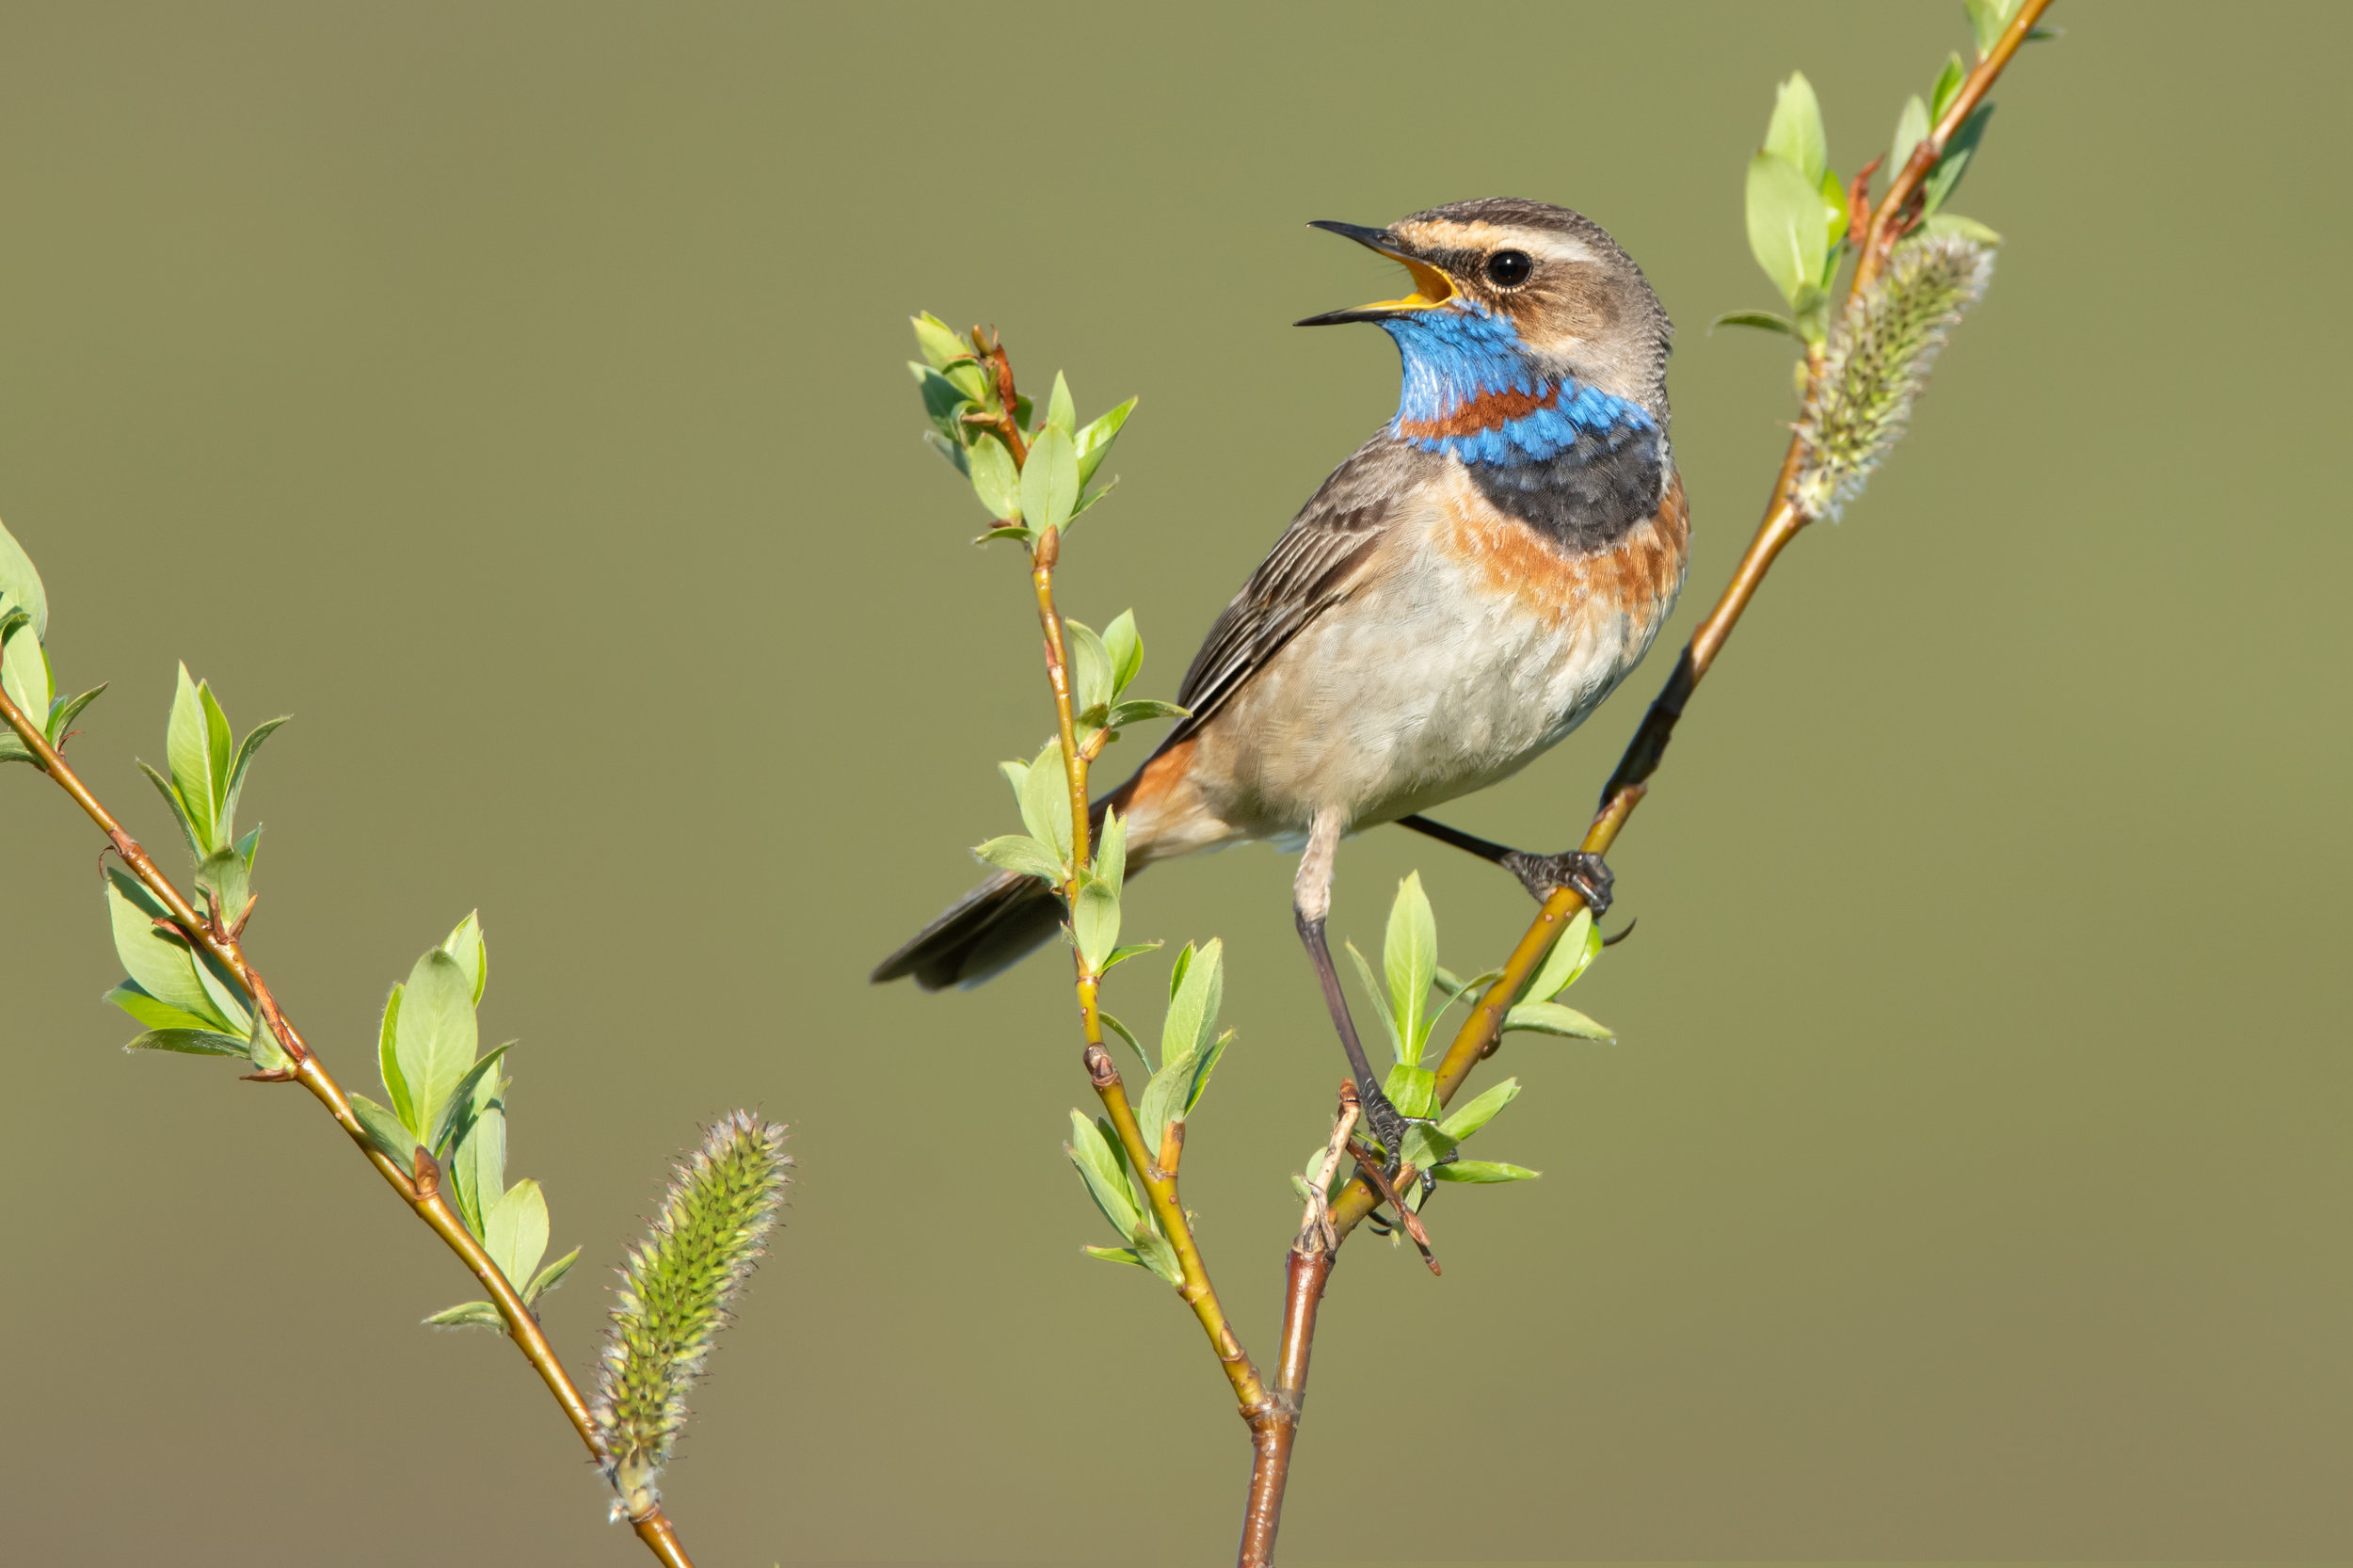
pixel 1452 602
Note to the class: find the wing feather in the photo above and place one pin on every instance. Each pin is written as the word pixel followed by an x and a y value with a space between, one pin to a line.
pixel 1317 562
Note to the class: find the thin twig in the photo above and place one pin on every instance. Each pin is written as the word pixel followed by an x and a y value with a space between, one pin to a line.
pixel 419 1189
pixel 1307 1269
pixel 1159 1182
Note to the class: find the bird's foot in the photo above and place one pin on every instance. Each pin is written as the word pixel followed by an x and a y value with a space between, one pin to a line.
pixel 1581 870
pixel 1388 1123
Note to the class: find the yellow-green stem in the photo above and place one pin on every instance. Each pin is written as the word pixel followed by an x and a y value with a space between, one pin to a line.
pixel 1160 1187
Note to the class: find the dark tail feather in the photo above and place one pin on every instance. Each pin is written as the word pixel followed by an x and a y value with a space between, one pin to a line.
pixel 998 923
pixel 988 929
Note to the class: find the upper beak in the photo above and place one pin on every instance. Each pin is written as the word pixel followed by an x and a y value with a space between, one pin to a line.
pixel 1432 287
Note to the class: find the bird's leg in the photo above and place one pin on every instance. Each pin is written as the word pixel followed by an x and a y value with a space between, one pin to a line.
pixel 1311 902
pixel 1539 874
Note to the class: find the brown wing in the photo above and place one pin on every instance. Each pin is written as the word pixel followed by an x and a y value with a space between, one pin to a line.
pixel 1314 565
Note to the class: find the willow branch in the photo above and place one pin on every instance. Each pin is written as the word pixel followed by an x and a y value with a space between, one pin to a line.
pixel 1481 1033
pixel 1156 1168
pixel 419 1187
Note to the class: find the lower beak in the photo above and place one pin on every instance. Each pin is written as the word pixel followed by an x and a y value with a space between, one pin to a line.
pixel 1432 287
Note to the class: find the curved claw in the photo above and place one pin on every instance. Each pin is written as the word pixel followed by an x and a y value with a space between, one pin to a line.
pixel 1540 874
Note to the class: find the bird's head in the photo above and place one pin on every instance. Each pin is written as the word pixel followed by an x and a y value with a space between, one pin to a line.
pixel 1502 280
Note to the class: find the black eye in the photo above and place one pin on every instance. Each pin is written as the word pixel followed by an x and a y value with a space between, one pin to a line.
pixel 1509 269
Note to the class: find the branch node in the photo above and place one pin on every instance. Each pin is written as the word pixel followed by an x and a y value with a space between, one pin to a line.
pixel 1101 1072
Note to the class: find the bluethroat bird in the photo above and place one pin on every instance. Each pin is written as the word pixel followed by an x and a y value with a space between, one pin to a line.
pixel 1453 600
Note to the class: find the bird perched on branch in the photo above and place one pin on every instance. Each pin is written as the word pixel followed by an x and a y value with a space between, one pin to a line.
pixel 1453 600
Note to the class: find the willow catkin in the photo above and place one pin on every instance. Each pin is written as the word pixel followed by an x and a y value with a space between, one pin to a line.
pixel 674 1293
pixel 1878 360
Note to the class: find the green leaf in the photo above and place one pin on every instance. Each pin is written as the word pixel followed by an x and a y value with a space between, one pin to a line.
pixel 515 1233
pixel 1468 1119
pixel 245 752
pixel 944 404
pixel 1380 1001
pixel 1189 1046
pixel 1965 228
pixel 1115 1255
pixel 1022 855
pixel 1789 231
pixel 468 1315
pixel 65 710
pixel 20 584
pixel 1192 1009
pixel 220 988
pixel 1113 1024
pixel 162 965
pixel 1177 970
pixel 1061 413
pixel 995 480
pixel 1049 481
pixel 1413 1090
pixel 1106 1180
pixel 1197 1083
pixel 472 953
pixel 1159 1255
pixel 1124 645
pixel 1948 83
pixel 1763 320
pixel 220 746
pixel 1091 666
pixel 1110 850
pixel 1095 442
pixel 191 1042
pixel 947 448
pixel 1810 312
pixel 1409 953
pixel 1550 1018
pixel 25 673
pixel 387 1059
pixel 1484 1171
pixel 1834 211
pixel 1426 1145
pixel 178 812
pixel 1911 129
pixel 972 382
pixel 385 1131
pixel 1795 132
pixel 1571 954
pixel 549 1277
pixel 223 875
pixel 434 1037
pixel 1046 801
pixel 939 346
pixel 478 1171
pixel 152 1012
pixel 459 1110
pixel 1946 177
pixel 1126 714
pixel 188 749
pixel 263 1049
pixel 1015 531
pixel 1094 922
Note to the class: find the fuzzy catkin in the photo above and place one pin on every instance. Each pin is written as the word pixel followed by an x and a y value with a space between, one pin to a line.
pixel 674 1293
pixel 1877 361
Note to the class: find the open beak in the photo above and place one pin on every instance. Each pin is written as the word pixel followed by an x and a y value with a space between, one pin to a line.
pixel 1432 287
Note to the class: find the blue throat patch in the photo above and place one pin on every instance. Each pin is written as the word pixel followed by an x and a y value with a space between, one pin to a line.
pixel 1470 389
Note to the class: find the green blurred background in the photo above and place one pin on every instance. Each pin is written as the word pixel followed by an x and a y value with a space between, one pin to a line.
pixel 513 394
